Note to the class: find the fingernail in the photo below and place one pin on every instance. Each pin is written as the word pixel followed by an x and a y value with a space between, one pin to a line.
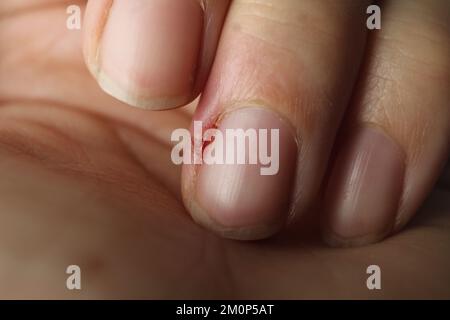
pixel 148 52
pixel 238 200
pixel 364 190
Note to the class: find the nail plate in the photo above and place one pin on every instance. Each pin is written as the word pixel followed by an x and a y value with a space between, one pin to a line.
pixel 238 199
pixel 364 189
pixel 148 51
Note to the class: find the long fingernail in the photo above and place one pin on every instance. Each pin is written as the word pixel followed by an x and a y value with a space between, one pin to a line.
pixel 364 190
pixel 148 52
pixel 246 201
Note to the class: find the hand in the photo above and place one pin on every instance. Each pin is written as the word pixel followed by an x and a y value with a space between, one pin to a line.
pixel 88 180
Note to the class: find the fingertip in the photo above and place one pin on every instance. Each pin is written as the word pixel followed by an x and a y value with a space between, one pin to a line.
pixel 364 189
pixel 145 53
pixel 244 200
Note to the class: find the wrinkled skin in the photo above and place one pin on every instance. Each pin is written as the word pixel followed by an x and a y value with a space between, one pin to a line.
pixel 86 180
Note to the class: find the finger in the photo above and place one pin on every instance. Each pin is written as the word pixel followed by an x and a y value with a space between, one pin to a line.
pixel 152 54
pixel 398 134
pixel 274 70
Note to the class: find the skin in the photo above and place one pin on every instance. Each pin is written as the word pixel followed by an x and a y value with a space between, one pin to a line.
pixel 86 180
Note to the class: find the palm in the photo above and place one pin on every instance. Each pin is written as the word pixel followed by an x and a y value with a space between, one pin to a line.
pixel 87 181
